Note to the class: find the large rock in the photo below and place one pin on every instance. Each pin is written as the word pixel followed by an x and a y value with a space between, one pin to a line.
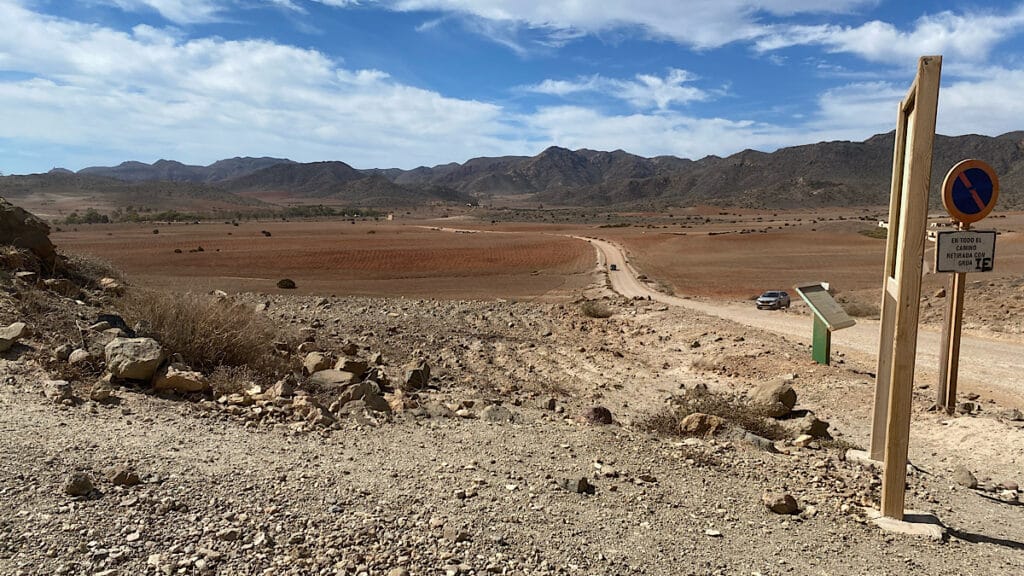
pixel 699 424
pixel 180 379
pixel 315 362
pixel 327 379
pixel 780 503
pixel 11 334
pixel 417 375
pixel 357 367
pixel 776 399
pixel 133 358
pixel 812 426
pixel 964 477
pixel 23 230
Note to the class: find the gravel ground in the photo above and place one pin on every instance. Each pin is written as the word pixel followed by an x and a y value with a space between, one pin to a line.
pixel 476 489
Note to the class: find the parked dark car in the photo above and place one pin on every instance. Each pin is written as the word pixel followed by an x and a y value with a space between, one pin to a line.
pixel 773 300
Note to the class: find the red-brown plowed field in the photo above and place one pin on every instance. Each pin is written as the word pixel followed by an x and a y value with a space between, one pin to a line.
pixel 340 258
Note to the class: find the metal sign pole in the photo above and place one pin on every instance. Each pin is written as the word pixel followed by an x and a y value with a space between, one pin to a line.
pixel 969 194
pixel 951 329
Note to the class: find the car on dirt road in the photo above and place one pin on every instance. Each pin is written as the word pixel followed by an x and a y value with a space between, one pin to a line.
pixel 773 300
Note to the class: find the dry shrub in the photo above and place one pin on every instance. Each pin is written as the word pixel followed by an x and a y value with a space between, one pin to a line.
pixel 595 309
pixel 14 259
pixel 733 409
pixel 664 422
pixel 714 364
pixel 86 271
pixel 860 309
pixel 665 288
pixel 208 332
pixel 225 380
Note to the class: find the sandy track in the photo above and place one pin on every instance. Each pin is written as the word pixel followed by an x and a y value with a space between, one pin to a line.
pixel 986 364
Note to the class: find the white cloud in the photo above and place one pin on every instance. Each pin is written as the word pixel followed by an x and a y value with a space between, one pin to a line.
pixel 645 91
pixel 148 94
pixel 699 23
pixel 179 11
pixel 970 37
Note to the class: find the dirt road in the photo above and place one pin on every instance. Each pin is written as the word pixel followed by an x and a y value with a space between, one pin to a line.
pixel 986 365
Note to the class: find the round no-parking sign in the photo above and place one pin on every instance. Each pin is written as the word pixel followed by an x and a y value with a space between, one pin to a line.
pixel 970 190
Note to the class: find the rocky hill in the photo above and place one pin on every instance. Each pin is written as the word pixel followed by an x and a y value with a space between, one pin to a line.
pixel 822 174
pixel 341 183
pixel 814 175
pixel 177 172
pixel 108 193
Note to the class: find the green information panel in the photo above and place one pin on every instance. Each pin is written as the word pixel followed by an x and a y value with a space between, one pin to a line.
pixel 828 316
pixel 825 307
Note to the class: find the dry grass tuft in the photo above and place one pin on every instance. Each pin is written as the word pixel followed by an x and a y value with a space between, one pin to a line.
pixel 86 271
pixel 225 380
pixel 208 332
pixel 859 309
pixel 733 409
pixel 595 309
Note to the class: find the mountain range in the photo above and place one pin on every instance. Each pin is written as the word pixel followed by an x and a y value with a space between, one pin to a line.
pixel 838 173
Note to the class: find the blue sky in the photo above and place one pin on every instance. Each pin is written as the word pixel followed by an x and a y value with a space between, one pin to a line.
pixel 403 83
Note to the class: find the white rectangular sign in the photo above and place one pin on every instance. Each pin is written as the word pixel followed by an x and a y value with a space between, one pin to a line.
pixel 965 251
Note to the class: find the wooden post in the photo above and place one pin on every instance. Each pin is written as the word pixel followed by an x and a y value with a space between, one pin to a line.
pixel 917 111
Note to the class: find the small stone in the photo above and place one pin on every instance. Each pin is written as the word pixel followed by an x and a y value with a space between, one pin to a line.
pixel 229 534
pixel 496 413
pixel 940 293
pixel 133 537
pixel 121 475
pixel 101 391
pixel 283 388
pixel 286 284
pixel 58 390
pixel 579 486
pixel 179 378
pixel 964 477
pixel 712 533
pixel 78 484
pixel 79 356
pixel 455 534
pixel 63 352
pixel 966 408
pixel 597 415
pixel 398 572
pixel 1009 485
pixel 812 426
pixel 1013 415
pixel 776 399
pixel 803 440
pixel 780 503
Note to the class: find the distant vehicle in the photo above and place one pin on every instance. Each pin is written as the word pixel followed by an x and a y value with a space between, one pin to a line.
pixel 613 267
pixel 773 300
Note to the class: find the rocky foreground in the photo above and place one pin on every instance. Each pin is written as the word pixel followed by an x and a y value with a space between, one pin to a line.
pixel 500 462
pixel 421 437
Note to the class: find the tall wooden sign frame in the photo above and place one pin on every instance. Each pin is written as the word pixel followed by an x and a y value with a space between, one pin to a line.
pixel 901 285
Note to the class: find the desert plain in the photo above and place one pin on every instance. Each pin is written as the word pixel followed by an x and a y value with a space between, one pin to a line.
pixel 503 464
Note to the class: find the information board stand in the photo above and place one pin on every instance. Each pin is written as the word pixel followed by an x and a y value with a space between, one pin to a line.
pixel 829 316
